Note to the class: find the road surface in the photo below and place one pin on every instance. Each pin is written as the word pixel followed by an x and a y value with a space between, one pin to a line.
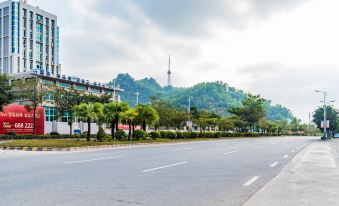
pixel 222 172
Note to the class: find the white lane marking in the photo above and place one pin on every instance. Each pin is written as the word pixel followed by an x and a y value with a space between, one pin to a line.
pixel 166 166
pixel 285 156
pixel 90 160
pixel 182 149
pixel 231 152
pixel 251 181
pixel 274 164
pixel 293 151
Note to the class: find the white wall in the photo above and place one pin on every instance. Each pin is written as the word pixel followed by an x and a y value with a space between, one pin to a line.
pixel 63 127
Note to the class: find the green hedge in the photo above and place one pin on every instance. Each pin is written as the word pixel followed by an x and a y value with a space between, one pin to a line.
pixel 31 137
pixel 121 135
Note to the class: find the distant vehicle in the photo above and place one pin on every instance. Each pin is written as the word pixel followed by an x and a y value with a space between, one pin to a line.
pixel 336 135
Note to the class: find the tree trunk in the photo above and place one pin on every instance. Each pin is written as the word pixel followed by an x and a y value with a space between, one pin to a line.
pixel 89 130
pixel 144 125
pixel 70 123
pixel 116 123
pixel 112 129
pixel 129 130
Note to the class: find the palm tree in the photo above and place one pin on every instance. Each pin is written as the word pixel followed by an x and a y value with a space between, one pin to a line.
pixel 146 116
pixel 129 117
pixel 113 112
pixel 89 112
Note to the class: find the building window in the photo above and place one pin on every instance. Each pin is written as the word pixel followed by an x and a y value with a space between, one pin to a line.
pixel 65 85
pixel 81 88
pixel 66 117
pixel 50 114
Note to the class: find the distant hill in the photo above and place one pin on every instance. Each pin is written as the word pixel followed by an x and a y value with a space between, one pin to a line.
pixel 215 97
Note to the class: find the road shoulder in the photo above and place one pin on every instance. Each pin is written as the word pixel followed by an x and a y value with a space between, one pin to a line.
pixel 311 178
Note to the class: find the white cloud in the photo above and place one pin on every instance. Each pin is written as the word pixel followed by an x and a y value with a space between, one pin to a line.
pixel 281 49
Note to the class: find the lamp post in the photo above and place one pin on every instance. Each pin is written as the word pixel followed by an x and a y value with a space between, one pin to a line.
pixel 325 115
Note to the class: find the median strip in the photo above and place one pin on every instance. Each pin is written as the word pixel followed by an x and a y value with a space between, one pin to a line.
pixel 90 160
pixel 162 167
pixel 251 181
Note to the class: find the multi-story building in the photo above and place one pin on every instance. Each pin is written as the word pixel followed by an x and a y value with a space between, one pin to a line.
pixel 29 48
pixel 29 39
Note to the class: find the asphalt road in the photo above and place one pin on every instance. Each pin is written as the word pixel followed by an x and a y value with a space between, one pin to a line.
pixel 223 172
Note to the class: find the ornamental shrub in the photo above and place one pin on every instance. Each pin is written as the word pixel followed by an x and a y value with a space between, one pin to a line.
pixel 101 134
pixel 171 135
pixel 139 134
pixel 120 135
pixel 194 135
pixel 180 135
pixel 163 134
pixel 186 135
pixel 155 135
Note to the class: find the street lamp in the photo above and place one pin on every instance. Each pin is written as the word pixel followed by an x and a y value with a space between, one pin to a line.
pixel 325 119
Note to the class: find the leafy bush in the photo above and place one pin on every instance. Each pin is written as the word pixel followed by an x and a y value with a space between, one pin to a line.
pixel 186 135
pixel 155 135
pixel 171 135
pixel 139 134
pixel 54 134
pixel 11 133
pixel 121 135
pixel 180 135
pixel 101 134
pixel 194 135
pixel 163 134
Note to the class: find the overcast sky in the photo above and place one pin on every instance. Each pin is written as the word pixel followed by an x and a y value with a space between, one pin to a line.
pixel 281 49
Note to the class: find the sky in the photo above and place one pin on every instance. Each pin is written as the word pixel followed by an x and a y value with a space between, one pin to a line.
pixel 280 49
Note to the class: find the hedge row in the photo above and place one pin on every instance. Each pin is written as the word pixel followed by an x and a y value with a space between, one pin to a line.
pixel 139 134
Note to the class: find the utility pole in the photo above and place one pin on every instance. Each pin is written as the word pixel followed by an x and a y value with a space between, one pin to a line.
pixel 325 114
pixel 137 94
pixel 169 72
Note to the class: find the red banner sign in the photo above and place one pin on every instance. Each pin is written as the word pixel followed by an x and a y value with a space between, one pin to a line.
pixel 16 118
pixel 125 127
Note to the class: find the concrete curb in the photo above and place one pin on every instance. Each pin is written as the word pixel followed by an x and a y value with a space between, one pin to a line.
pixel 89 148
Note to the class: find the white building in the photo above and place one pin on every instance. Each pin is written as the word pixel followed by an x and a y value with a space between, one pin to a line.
pixel 29 39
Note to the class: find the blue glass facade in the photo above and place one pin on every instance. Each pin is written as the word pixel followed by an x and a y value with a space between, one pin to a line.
pixel 15 27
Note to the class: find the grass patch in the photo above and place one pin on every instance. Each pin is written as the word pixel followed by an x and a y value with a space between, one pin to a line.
pixel 83 143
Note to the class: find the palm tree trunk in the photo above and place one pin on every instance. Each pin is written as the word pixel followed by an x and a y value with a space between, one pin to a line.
pixel 70 123
pixel 144 125
pixel 129 130
pixel 89 130
pixel 112 129
pixel 116 123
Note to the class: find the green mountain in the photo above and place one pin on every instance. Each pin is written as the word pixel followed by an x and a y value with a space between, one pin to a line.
pixel 215 97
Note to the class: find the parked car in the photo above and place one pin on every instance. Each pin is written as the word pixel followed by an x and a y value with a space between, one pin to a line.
pixel 336 135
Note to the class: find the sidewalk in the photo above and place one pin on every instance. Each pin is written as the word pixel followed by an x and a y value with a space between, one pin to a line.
pixel 312 178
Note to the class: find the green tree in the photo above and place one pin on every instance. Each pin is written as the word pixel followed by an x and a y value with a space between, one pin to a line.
pixel 113 111
pixel 331 115
pixel 226 124
pixel 32 93
pixel 89 113
pixel 251 112
pixel 65 100
pixel 129 117
pixel 146 116
pixel 6 96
